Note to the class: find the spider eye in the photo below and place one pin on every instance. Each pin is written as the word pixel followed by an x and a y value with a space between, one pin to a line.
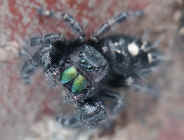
pixel 79 84
pixel 68 75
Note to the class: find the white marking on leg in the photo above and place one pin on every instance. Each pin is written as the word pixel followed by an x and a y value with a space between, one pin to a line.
pixel 150 58
pixel 143 47
pixel 129 81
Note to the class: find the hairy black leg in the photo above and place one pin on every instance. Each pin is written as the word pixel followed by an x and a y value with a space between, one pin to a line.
pixel 28 70
pixel 52 37
pixel 113 101
pixel 90 114
pixel 76 27
pixel 40 57
pixel 36 40
pixel 47 44
pixel 72 121
pixel 46 39
pixel 114 20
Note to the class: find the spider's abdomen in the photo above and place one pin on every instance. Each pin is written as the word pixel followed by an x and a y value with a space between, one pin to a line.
pixel 85 69
pixel 127 55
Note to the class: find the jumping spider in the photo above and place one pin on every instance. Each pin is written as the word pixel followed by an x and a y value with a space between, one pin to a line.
pixel 89 67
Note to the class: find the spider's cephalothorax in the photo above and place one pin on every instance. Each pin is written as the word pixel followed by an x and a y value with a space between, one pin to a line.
pixel 89 67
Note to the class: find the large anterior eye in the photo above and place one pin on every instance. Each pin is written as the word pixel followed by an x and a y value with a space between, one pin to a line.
pixel 68 75
pixel 79 81
pixel 79 84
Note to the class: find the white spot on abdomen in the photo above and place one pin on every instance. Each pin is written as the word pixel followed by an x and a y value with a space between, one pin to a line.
pixel 133 49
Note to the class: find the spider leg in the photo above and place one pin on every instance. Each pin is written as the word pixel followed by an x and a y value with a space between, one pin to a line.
pixel 46 39
pixel 40 57
pixel 68 19
pixel 72 121
pixel 90 114
pixel 29 68
pixel 113 101
pixel 36 40
pixel 104 28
